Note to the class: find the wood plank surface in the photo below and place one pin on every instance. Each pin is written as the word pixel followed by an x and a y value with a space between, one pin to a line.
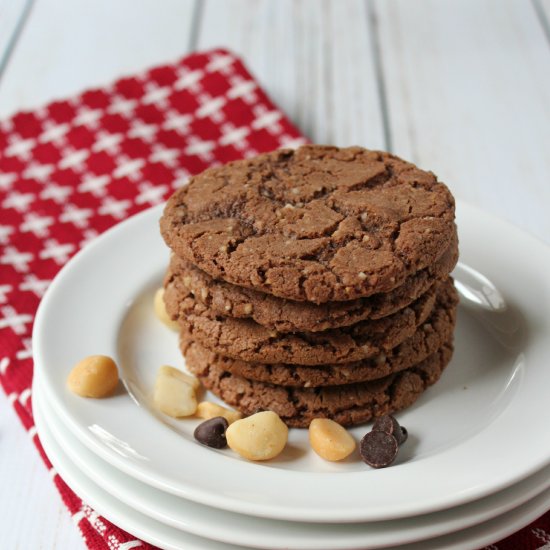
pixel 468 93
pixel 462 87
pixel 32 515
pixel 315 59
pixel 12 18
pixel 68 46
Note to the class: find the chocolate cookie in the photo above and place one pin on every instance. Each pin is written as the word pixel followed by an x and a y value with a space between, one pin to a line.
pixel 247 340
pixel 290 316
pixel 314 224
pixel 348 405
pixel 434 333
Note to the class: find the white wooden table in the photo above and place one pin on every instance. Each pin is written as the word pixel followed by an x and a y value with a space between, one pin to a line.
pixel 460 87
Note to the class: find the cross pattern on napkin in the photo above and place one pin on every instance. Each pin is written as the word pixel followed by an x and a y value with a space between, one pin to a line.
pixel 73 168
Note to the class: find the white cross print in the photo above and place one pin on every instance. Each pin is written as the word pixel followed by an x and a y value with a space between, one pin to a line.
pixel 151 194
pixel 89 236
pixel 200 148
pixel 14 320
pixel 130 545
pixel 20 148
pixel 221 63
pixel 33 284
pixel 211 107
pixel 181 177
pixel 242 88
pixel 176 121
pixel 38 172
pixel 94 184
pixel 5 232
pixel 77 216
pixel 74 159
pixel 18 201
pixel 128 168
pixel 169 157
pixel 19 260
pixel 6 125
pixel 143 130
pixel 188 79
pixel 157 95
pixel 37 224
pixel 291 142
pixel 542 536
pixel 107 142
pixel 234 136
pixel 87 117
pixel 122 106
pixel 53 132
pixel 6 180
pixel 26 393
pixel 266 119
pixel 4 364
pixel 114 208
pixel 55 192
pixel 56 251
pixel 26 352
pixel 4 289
pixel 95 520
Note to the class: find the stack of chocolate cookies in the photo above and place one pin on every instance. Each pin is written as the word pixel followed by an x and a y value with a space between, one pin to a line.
pixel 314 282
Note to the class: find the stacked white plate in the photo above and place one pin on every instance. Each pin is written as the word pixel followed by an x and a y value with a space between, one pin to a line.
pixel 476 466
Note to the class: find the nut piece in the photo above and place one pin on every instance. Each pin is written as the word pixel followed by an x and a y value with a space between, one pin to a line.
pixel 160 310
pixel 94 376
pixel 330 440
pixel 174 393
pixel 259 437
pixel 207 410
pixel 193 381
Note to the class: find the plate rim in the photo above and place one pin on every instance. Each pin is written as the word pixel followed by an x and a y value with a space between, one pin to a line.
pixel 483 511
pixel 297 514
pixel 528 512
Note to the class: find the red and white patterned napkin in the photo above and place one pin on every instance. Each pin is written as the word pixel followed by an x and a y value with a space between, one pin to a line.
pixel 72 169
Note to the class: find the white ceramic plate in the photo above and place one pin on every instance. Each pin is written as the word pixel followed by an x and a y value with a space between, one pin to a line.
pixel 469 434
pixel 167 537
pixel 264 533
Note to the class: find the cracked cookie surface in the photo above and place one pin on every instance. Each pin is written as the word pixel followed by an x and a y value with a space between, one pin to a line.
pixel 434 333
pixel 315 224
pixel 348 405
pixel 246 340
pixel 291 316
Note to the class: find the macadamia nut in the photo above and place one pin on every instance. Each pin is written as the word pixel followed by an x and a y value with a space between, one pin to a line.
pixel 175 393
pixel 94 376
pixel 330 440
pixel 208 410
pixel 160 310
pixel 193 381
pixel 261 436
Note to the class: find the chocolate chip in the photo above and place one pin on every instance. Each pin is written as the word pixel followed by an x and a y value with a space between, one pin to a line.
pixel 212 432
pixel 378 449
pixel 388 424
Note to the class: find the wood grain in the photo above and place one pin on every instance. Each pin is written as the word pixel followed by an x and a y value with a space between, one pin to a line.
pixel 461 87
pixel 12 19
pixel 68 46
pixel 31 512
pixel 468 93
pixel 314 57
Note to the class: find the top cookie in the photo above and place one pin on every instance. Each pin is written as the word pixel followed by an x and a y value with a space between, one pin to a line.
pixel 314 224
